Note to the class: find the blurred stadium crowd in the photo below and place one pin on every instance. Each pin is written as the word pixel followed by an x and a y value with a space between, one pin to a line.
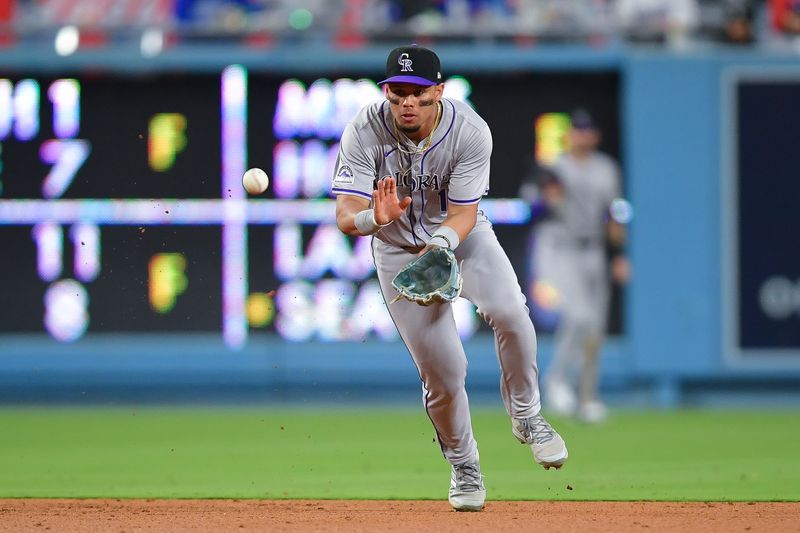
pixel 677 23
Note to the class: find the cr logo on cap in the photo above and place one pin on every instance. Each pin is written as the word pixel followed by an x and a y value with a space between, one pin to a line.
pixel 405 63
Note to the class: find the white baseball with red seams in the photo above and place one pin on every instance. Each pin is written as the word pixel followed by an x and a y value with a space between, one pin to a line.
pixel 255 181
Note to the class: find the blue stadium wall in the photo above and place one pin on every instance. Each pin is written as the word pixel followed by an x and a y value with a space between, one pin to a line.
pixel 675 128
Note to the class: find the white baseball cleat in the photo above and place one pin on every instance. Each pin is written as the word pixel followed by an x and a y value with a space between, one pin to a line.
pixel 467 492
pixel 592 412
pixel 546 444
pixel 560 398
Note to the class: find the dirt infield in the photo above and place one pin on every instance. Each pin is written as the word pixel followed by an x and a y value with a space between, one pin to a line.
pixel 330 515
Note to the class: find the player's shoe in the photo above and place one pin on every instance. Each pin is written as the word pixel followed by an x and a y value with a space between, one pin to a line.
pixel 592 412
pixel 546 444
pixel 560 398
pixel 467 492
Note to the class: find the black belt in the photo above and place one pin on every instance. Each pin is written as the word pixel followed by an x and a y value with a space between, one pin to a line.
pixel 586 242
pixel 412 249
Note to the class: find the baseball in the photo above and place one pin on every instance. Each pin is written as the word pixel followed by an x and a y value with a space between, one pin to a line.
pixel 255 181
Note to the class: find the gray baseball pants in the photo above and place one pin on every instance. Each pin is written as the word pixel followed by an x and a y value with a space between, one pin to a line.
pixel 580 275
pixel 430 334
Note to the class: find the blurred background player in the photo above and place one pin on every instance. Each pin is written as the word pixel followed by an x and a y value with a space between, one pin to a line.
pixel 573 202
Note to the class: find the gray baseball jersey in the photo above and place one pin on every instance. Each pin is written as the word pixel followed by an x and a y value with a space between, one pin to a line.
pixel 455 169
pixel 591 185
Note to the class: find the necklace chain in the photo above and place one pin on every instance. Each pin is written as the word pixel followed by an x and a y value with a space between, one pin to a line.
pixel 412 150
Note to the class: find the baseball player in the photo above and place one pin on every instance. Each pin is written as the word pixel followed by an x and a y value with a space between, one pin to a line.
pixel 411 171
pixel 570 256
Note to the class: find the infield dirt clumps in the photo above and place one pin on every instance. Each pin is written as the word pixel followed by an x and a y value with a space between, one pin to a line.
pixel 391 515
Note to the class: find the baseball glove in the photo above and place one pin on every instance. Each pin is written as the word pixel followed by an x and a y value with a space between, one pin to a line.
pixel 433 277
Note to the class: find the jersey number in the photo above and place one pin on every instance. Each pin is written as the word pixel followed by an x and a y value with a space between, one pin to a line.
pixel 443 200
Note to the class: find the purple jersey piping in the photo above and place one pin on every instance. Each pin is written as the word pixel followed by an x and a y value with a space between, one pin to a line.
pixel 411 218
pixel 464 202
pixel 421 224
pixel 422 165
pixel 351 191
pixel 429 150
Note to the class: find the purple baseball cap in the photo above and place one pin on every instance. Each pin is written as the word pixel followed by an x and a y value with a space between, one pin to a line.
pixel 582 120
pixel 413 64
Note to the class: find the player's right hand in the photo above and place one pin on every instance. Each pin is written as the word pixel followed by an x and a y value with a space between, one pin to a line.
pixel 553 194
pixel 386 205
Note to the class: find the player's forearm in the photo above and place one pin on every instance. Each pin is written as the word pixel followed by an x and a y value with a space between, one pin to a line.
pixel 462 223
pixel 347 209
pixel 617 234
pixel 455 228
pixel 346 223
pixel 361 223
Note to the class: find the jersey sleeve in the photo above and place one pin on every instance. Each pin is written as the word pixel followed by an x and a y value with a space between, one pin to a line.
pixel 354 172
pixel 469 179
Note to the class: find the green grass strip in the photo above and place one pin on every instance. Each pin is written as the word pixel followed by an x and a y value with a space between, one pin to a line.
pixel 388 453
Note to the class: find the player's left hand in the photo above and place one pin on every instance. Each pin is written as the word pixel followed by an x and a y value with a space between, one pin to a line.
pixel 553 194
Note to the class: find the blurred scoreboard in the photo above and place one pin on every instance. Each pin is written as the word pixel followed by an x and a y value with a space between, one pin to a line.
pixel 122 210
pixel 762 259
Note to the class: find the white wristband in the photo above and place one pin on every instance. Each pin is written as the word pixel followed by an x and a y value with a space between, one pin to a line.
pixel 446 237
pixel 365 222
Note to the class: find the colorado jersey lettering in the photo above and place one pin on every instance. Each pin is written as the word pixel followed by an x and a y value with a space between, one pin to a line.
pixel 454 169
pixel 416 183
